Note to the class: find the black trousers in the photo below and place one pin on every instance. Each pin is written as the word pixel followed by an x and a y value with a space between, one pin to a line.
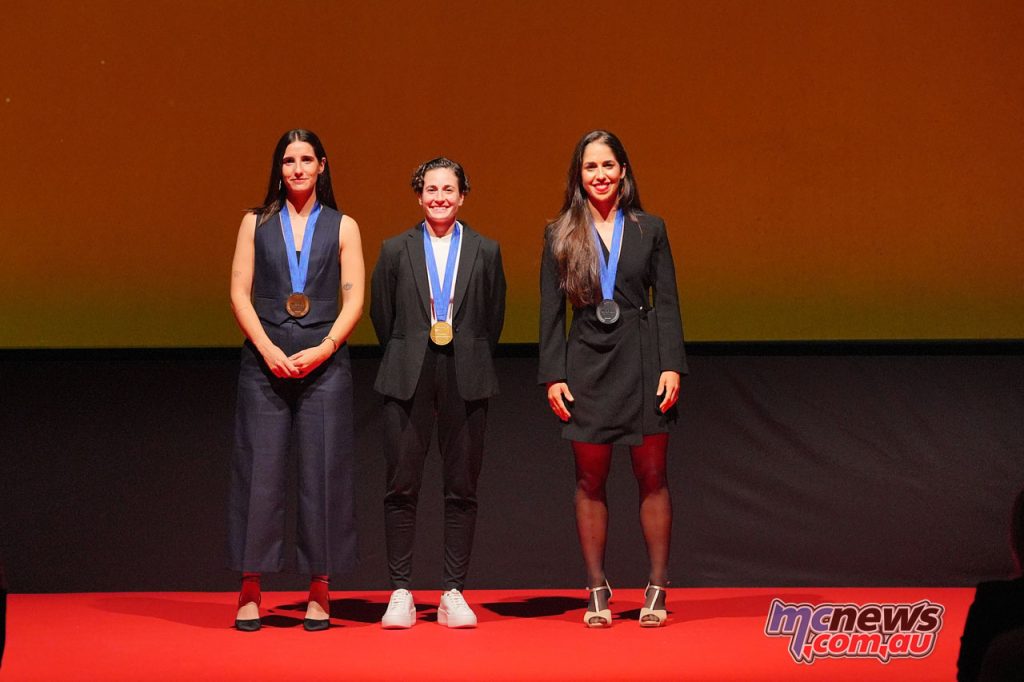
pixel 408 426
pixel 315 413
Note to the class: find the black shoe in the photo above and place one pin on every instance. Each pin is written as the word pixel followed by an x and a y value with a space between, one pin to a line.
pixel 251 625
pixel 313 625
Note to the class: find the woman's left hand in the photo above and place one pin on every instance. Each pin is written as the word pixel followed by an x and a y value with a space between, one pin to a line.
pixel 668 385
pixel 309 359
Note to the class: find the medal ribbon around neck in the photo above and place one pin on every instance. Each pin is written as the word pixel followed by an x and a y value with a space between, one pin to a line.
pixel 442 292
pixel 298 266
pixel 609 268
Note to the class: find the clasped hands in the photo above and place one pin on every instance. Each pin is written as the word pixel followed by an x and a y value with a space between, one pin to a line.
pixel 558 394
pixel 298 365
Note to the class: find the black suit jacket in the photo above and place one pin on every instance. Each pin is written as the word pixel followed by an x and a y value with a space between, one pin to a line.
pixel 998 607
pixel 400 311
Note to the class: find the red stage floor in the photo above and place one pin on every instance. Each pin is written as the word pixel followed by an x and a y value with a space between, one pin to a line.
pixel 712 634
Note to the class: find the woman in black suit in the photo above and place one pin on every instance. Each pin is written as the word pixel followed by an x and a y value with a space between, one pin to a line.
pixel 615 379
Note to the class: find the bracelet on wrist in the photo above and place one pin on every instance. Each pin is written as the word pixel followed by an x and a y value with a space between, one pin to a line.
pixel 333 342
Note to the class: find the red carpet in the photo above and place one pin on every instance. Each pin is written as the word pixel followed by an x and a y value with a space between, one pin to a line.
pixel 712 634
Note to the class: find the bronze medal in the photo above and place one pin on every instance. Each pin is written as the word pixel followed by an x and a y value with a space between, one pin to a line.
pixel 297 305
pixel 441 333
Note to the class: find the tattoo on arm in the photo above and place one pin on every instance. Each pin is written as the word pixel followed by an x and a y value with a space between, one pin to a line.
pixel 236 273
pixel 347 286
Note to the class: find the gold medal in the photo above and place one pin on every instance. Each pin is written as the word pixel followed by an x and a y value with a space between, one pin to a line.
pixel 441 333
pixel 297 305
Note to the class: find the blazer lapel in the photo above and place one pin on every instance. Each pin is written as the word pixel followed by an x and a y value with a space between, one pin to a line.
pixel 418 262
pixel 470 247
pixel 632 251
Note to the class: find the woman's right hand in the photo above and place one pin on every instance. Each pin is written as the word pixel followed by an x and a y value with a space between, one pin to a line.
pixel 558 393
pixel 279 363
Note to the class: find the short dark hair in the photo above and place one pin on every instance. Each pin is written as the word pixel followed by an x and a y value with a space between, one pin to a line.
pixel 439 162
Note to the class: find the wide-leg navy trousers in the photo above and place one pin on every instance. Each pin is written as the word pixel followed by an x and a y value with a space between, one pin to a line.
pixel 316 413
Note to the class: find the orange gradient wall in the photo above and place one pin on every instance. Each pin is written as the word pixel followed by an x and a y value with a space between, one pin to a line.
pixel 827 169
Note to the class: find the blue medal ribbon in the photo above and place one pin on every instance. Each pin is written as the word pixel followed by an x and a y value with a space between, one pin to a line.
pixel 609 268
pixel 442 292
pixel 298 266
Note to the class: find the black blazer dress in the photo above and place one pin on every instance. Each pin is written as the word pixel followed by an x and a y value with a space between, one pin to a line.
pixel 613 370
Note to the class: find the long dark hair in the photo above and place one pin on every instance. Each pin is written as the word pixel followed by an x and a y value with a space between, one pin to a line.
pixel 571 241
pixel 276 190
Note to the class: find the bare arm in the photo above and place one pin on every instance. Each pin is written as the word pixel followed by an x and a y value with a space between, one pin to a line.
pixel 353 281
pixel 353 291
pixel 241 301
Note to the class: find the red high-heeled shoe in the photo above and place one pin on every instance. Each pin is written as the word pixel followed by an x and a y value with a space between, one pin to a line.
pixel 249 594
pixel 318 595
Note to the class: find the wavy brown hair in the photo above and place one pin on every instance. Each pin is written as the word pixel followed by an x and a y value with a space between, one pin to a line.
pixel 570 233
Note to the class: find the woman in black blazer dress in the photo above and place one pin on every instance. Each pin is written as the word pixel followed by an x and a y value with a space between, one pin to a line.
pixel 615 379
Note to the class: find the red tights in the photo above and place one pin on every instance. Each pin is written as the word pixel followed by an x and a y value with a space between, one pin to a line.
pixel 592 464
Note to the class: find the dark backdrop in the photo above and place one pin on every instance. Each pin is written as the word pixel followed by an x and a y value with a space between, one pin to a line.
pixel 793 464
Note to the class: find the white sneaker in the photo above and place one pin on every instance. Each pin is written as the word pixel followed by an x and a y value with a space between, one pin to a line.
pixel 454 611
pixel 401 613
